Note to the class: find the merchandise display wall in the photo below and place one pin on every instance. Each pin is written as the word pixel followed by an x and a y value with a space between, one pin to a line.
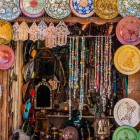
pixel 69 70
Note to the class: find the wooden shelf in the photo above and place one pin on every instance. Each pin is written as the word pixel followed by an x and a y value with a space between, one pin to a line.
pixel 70 19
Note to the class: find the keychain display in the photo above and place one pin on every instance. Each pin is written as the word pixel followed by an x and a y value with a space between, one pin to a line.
pixel 57 9
pixel 9 10
pixel 61 34
pixel 129 8
pixel 51 36
pixel 23 31
pixel 106 9
pixel 42 30
pixel 6 32
pixel 16 32
pixel 82 8
pixel 33 32
pixel 32 8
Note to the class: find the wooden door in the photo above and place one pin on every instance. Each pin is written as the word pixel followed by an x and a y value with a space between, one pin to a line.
pixel 3 106
pixel 134 88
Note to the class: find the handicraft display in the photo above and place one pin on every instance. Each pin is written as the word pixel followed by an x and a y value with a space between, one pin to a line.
pixel 23 31
pixel 127 112
pixel 6 32
pixel 125 133
pixel 9 10
pixel 82 8
pixel 32 8
pixel 127 59
pixel 106 9
pixel 129 8
pixel 6 57
pixel 61 34
pixel 57 9
pixel 127 31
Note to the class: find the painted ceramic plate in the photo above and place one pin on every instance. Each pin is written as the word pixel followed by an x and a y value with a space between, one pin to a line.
pixel 125 133
pixel 6 32
pixel 32 8
pixel 70 133
pixel 6 57
pixel 82 8
pixel 58 9
pixel 127 59
pixel 127 112
pixel 129 8
pixel 106 9
pixel 9 10
pixel 128 31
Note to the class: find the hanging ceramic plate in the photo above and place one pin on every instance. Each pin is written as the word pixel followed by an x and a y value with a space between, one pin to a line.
pixel 127 59
pixel 106 9
pixel 127 112
pixel 70 133
pixel 32 8
pixel 82 8
pixel 6 57
pixel 128 31
pixel 6 32
pixel 58 9
pixel 129 8
pixel 125 133
pixel 9 9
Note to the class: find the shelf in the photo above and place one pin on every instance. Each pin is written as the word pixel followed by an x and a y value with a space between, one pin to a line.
pixel 65 116
pixel 70 19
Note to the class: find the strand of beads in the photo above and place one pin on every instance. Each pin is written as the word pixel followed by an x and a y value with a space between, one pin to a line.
pixel 70 76
pixel 101 68
pixel 109 67
pixel 82 71
pixel 76 70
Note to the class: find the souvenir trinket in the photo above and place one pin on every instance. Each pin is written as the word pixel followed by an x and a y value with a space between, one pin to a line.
pixel 23 31
pixel 43 96
pixel 9 10
pixel 32 8
pixel 54 83
pixel 61 34
pixel 127 112
pixel 70 133
pixel 6 57
pixel 102 127
pixel 33 32
pixel 125 133
pixel 27 109
pixel 42 30
pixel 57 9
pixel 127 59
pixel 106 9
pixel 129 8
pixel 82 8
pixel 6 32
pixel 54 133
pixel 51 36
pixel 16 32
pixel 128 31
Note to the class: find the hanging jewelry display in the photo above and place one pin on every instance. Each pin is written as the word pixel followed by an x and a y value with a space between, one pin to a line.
pixel 32 8
pixel 9 9
pixel 82 71
pixel 57 9
pixel 95 64
pixel 61 34
pixel 16 32
pixel 42 29
pixel 70 77
pixel 33 32
pixel 51 36
pixel 76 70
pixel 23 31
